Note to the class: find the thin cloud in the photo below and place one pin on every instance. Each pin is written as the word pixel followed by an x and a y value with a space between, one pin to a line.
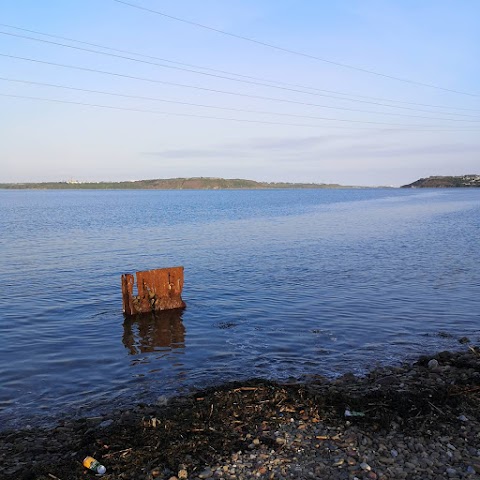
pixel 318 149
pixel 194 153
pixel 375 150
pixel 294 143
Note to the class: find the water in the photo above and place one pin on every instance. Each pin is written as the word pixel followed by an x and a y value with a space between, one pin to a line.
pixel 279 284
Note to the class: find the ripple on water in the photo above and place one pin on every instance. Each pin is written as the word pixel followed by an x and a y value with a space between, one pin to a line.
pixel 279 285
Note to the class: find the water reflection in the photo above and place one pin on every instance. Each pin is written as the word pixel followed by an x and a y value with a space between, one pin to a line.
pixel 154 332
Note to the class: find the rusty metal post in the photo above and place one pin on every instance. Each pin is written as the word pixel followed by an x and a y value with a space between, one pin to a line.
pixel 158 289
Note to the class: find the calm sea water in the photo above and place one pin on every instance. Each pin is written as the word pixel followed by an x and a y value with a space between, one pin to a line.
pixel 279 284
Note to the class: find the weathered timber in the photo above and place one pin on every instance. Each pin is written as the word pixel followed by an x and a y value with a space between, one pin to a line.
pixel 158 289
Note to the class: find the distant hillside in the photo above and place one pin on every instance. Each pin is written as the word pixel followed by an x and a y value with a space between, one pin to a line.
pixel 198 183
pixel 446 182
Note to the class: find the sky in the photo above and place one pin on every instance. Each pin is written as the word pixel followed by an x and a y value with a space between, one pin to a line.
pixel 355 92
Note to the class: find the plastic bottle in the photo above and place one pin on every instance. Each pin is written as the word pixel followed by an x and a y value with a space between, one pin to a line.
pixel 94 465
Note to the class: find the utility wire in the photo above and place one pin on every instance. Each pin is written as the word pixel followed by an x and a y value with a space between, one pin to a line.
pixel 139 97
pixel 156 112
pixel 123 57
pixel 151 57
pixel 162 82
pixel 295 52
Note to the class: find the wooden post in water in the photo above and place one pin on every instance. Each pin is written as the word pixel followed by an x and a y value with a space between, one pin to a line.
pixel 158 289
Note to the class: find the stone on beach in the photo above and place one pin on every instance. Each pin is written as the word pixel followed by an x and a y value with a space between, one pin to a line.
pixel 418 424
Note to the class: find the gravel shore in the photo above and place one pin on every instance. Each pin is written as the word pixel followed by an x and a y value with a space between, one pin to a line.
pixel 417 421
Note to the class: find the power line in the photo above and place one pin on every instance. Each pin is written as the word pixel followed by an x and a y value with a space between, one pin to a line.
pixel 139 97
pixel 295 52
pixel 162 82
pixel 156 112
pixel 211 74
pixel 129 52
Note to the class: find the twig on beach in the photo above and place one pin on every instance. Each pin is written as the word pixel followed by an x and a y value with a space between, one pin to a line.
pixel 464 391
pixel 474 350
pixel 53 476
pixel 436 408
pixel 246 389
pixel 121 452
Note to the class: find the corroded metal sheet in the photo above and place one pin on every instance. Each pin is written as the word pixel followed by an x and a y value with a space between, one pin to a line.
pixel 158 289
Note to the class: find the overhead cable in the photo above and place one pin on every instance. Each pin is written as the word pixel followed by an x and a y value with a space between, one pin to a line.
pixel 162 82
pixel 140 97
pixel 295 52
pixel 151 57
pixel 209 74
pixel 156 112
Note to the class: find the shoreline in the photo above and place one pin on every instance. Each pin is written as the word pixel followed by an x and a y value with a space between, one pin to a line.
pixel 417 420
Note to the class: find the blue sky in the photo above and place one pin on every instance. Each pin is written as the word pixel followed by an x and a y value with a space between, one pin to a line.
pixel 288 130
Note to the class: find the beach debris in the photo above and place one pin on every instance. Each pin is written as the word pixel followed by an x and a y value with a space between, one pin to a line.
pixel 94 465
pixel 150 422
pixel 182 474
pixel 105 423
pixel 353 413
pixel 432 364
pixel 190 435
pixel 158 289
pixel 121 453
pixel 475 350
pixel 156 472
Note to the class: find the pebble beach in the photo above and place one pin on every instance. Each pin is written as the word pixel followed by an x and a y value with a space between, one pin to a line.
pixel 413 421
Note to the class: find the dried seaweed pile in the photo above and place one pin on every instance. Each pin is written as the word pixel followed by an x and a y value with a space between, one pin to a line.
pixel 159 441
